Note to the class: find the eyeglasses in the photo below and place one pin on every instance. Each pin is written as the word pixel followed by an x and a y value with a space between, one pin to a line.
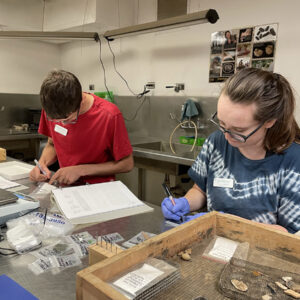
pixel 65 121
pixel 237 136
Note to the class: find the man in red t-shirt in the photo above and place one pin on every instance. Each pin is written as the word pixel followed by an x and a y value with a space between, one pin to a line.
pixel 86 134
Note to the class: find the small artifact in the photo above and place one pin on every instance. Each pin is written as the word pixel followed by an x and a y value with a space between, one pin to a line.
pixel 256 273
pixel 185 256
pixel 287 279
pixel 293 294
pixel 266 297
pixel 283 287
pixel 188 251
pixel 293 286
pixel 272 287
pixel 239 285
pixel 145 235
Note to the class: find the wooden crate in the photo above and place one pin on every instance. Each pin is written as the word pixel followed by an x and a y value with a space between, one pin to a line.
pixel 91 283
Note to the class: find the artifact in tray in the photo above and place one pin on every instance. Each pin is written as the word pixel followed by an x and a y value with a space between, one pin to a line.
pixel 261 281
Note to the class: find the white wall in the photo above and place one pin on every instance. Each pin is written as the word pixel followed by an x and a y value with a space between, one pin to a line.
pixel 179 55
pixel 24 65
pixel 182 55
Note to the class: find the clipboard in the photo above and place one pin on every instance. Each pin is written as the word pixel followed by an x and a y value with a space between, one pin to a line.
pixel 7 197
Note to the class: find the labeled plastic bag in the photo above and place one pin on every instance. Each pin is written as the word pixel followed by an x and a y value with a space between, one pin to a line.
pixel 54 225
pixel 81 241
pixel 59 248
pixel 22 239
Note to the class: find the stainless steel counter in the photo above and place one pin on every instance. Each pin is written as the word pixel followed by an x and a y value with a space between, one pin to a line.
pixel 62 285
pixel 159 150
pixel 7 134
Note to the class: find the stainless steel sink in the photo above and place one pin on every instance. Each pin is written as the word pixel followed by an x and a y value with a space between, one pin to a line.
pixel 161 150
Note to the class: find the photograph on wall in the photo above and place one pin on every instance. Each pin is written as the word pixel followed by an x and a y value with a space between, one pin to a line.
pixel 230 38
pixel 217 41
pixel 264 33
pixel 264 64
pixel 262 50
pixel 244 49
pixel 228 69
pixel 243 62
pixel 246 35
pixel 235 49
pixel 215 66
pixel 229 55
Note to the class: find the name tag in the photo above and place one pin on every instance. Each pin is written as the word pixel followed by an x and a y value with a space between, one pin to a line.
pixel 223 182
pixel 61 130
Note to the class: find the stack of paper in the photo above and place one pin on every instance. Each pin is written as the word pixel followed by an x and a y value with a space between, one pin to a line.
pixel 14 170
pixel 98 202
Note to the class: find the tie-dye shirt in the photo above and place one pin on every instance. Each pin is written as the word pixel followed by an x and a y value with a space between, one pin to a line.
pixel 265 190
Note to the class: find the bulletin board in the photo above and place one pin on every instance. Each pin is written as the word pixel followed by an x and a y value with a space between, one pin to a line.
pixel 232 50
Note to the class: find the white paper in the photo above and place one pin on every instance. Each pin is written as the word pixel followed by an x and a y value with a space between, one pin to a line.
pixel 6 184
pixel 223 248
pixel 138 279
pixel 14 170
pixel 91 199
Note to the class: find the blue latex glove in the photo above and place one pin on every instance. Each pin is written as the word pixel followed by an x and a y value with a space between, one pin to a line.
pixel 175 212
pixel 192 217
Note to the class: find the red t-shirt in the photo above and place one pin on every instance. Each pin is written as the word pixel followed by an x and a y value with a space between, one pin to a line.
pixel 98 136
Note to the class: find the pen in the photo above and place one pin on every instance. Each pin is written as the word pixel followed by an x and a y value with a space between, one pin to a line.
pixel 24 196
pixel 39 166
pixel 168 193
pixel 45 217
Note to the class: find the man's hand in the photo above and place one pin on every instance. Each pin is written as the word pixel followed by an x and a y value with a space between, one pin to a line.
pixel 36 175
pixel 66 176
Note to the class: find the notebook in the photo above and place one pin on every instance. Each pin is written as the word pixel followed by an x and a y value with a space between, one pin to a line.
pixel 98 202
pixel 7 197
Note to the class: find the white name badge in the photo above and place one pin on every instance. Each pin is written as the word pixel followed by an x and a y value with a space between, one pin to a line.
pixel 223 182
pixel 61 130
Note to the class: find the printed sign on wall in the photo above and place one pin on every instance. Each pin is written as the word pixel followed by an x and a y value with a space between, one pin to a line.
pixel 232 50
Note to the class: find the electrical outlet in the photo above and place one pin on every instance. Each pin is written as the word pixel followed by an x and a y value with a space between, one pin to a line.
pixel 179 87
pixel 91 87
pixel 150 85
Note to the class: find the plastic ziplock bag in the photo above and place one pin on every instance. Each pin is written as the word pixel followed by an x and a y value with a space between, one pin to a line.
pixel 55 224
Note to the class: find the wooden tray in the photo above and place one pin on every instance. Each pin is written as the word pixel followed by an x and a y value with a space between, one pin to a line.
pixel 91 283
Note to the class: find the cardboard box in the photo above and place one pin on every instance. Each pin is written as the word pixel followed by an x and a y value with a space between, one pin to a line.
pixel 2 154
pixel 92 282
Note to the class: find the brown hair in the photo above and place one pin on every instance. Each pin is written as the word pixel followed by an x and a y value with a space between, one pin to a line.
pixel 274 99
pixel 60 94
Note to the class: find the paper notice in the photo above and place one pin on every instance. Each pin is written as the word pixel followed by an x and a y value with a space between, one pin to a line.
pixel 138 279
pixel 223 248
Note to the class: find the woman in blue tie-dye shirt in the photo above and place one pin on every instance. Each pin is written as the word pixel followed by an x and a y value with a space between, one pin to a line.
pixel 251 166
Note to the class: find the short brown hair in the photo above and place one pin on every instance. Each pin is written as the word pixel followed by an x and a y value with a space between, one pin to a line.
pixel 60 94
pixel 274 99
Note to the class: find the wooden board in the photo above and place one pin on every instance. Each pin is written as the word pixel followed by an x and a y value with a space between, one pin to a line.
pixel 91 283
pixel 101 251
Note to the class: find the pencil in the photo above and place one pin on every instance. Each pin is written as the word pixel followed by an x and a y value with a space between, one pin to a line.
pixel 168 193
